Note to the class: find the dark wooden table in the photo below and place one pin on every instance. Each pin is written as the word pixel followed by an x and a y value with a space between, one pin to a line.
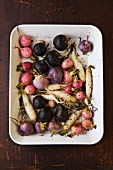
pixel 95 157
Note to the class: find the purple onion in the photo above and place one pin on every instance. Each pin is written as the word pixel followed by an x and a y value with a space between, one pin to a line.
pixel 85 46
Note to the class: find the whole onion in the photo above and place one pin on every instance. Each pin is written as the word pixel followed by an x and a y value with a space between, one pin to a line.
pixel 55 74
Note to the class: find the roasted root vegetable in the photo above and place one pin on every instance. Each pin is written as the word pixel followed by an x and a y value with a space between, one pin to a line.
pixel 89 82
pixel 40 82
pixel 25 128
pixel 60 42
pixel 61 113
pixel 67 77
pixel 76 129
pixel 29 108
pixel 80 95
pixel 54 58
pixel 87 113
pixel 39 102
pixel 55 74
pixel 88 124
pixel 26 78
pixel 41 66
pixel 74 116
pixel 45 114
pixel 63 95
pixel 50 97
pixel 67 63
pixel 78 66
pixel 77 84
pixel 68 89
pixel 85 46
pixel 52 103
pixel 55 86
pixel 40 48
pixel 89 85
pixel 40 128
pixel 53 126
pixel 24 40
pixel 30 89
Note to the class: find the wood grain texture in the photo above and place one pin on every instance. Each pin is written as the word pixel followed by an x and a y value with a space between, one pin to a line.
pixel 95 157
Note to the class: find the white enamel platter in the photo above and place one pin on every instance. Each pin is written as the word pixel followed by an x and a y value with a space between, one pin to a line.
pixel 95 58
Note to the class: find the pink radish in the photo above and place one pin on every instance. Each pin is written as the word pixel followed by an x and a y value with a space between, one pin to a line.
pixel 80 95
pixel 68 89
pixel 67 63
pixel 30 89
pixel 26 52
pixel 26 78
pixel 87 113
pixel 77 84
pixel 24 40
pixel 76 129
pixel 87 124
pixel 26 66
pixel 67 77
pixel 52 103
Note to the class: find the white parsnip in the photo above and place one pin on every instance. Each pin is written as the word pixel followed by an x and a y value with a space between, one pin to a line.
pixel 89 82
pixel 63 95
pixel 50 97
pixel 29 108
pixel 55 86
pixel 78 65
pixel 86 101
pixel 74 116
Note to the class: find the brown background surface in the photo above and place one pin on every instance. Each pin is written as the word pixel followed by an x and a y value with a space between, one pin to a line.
pixel 95 12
